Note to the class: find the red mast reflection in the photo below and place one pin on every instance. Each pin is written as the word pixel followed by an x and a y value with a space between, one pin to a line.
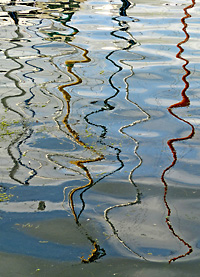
pixel 183 103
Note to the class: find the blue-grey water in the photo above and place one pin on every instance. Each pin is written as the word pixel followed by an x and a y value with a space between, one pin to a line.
pixel 99 138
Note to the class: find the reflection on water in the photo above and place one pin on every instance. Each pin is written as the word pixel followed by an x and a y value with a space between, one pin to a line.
pixel 184 103
pixel 27 130
pixel 96 253
pixel 124 27
pixel 86 130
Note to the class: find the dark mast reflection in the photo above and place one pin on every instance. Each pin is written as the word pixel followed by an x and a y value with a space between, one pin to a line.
pixel 184 103
pixel 131 42
pixel 27 130
pixel 14 14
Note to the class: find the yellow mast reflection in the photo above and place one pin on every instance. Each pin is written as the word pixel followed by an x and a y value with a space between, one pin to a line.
pixel 55 34
pixel 67 97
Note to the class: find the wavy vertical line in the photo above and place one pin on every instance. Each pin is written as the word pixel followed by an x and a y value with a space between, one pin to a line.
pixel 131 42
pixel 184 103
pixel 126 4
pixel 97 252
pixel 101 138
pixel 32 171
pixel 27 102
pixel 27 131
pixel 138 193
pixel 79 163
pixel 75 79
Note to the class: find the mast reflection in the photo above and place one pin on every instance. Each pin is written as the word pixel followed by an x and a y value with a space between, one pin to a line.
pixel 185 102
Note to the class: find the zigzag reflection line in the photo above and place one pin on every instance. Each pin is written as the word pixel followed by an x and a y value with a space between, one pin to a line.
pixel 108 106
pixel 44 87
pixel 138 194
pixel 116 149
pixel 115 232
pixel 27 131
pixel 75 135
pixel 79 163
pixel 131 42
pixel 97 252
pixel 184 103
pixel 134 123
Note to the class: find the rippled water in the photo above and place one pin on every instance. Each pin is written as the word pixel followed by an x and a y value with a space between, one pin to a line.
pixel 99 138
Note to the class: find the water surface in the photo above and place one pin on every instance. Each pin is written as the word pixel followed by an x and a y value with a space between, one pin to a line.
pixel 99 138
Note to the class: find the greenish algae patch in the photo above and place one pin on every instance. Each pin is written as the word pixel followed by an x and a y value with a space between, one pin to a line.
pixel 5 129
pixel 4 196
